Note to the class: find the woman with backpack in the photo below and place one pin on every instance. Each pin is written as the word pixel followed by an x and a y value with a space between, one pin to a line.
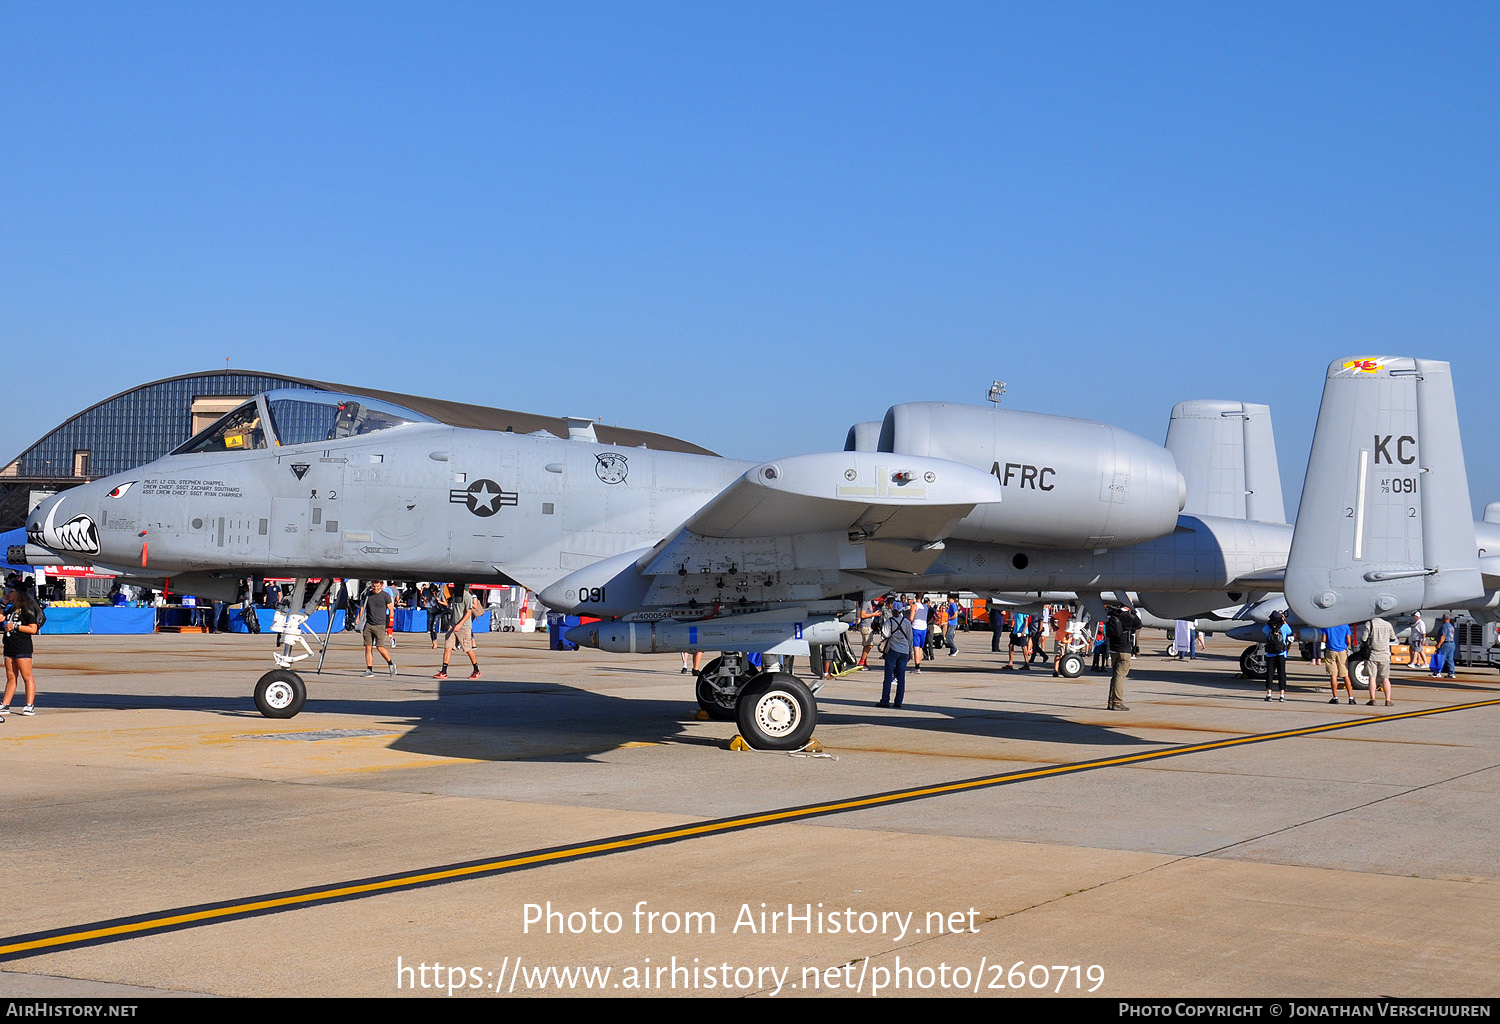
pixel 1278 640
pixel 23 620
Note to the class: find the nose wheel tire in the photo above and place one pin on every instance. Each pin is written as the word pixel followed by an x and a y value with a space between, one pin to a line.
pixel 1071 665
pixel 280 694
pixel 777 712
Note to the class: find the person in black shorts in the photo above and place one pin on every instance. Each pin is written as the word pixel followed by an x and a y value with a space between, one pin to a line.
pixel 22 622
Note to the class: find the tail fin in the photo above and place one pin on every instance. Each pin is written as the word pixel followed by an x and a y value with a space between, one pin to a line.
pixel 1226 451
pixel 1385 523
pixel 863 437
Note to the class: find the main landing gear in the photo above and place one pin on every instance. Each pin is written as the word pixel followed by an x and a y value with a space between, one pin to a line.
pixel 774 709
pixel 1253 662
pixel 281 692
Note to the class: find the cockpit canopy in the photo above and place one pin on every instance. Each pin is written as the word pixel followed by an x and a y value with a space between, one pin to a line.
pixel 297 416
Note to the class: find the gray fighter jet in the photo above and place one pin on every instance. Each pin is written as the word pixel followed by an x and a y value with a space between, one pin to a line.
pixel 677 551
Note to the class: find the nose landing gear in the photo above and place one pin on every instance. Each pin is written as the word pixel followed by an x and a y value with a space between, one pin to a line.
pixel 281 692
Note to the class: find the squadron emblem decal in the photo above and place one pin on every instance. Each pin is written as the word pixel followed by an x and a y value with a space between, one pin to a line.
pixel 611 467
pixel 484 498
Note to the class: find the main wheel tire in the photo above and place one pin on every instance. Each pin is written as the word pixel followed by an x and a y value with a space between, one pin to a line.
pixel 280 694
pixel 1253 662
pixel 777 712
pixel 710 699
pixel 1359 671
pixel 1071 665
pixel 1171 649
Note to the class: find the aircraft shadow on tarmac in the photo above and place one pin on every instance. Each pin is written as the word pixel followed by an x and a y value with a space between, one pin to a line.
pixel 499 720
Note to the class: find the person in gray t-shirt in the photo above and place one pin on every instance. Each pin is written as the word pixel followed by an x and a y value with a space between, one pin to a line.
pixel 377 635
pixel 897 646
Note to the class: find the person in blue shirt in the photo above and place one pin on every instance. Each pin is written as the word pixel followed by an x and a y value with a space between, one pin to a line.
pixel 1278 639
pixel 1018 638
pixel 1447 637
pixel 1336 658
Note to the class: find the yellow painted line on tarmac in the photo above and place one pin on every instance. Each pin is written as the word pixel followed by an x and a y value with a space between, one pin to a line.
pixel 95 933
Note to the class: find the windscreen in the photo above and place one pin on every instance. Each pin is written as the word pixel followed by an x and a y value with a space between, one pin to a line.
pixel 238 431
pixel 302 416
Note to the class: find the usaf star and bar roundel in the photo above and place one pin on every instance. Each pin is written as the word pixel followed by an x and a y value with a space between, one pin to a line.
pixel 484 498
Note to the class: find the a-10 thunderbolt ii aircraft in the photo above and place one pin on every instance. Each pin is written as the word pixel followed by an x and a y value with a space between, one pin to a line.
pixel 674 551
pixel 688 552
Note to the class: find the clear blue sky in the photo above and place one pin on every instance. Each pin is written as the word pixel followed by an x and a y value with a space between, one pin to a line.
pixel 751 225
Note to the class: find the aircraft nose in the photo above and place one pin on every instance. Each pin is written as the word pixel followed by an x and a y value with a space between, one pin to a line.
pixel 62 523
pixel 35 521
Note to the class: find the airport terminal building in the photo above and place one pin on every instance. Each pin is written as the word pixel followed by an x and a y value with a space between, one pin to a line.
pixel 146 422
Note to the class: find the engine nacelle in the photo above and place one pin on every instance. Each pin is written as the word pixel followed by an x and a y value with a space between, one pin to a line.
pixel 1067 483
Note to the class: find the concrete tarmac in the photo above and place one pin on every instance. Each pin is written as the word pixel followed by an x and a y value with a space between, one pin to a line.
pixel 1358 862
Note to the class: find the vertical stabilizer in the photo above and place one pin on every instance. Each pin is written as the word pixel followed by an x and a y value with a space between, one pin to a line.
pixel 1226 452
pixel 1385 524
pixel 862 437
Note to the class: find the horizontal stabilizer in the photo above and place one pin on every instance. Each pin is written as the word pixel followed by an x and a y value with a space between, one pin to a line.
pixel 1384 525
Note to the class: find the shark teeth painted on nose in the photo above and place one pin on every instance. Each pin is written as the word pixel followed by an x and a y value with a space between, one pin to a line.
pixel 78 534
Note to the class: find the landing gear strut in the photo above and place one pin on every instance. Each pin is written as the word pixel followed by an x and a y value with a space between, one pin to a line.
pixel 720 683
pixel 1253 662
pixel 281 692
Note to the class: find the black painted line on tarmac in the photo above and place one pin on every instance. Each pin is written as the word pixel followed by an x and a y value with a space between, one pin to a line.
pixel 118 929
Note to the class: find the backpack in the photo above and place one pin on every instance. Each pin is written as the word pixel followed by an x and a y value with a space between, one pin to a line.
pixel 1119 635
pixel 1275 641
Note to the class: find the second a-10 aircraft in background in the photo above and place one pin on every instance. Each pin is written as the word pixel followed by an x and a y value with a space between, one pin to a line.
pixel 677 551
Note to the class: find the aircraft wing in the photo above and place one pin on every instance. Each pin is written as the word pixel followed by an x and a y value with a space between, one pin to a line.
pixel 873 492
pixel 790 530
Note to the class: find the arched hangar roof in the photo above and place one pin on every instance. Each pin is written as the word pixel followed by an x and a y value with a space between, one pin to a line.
pixel 145 422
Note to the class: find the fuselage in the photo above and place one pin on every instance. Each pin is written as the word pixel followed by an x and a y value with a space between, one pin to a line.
pixel 412 500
